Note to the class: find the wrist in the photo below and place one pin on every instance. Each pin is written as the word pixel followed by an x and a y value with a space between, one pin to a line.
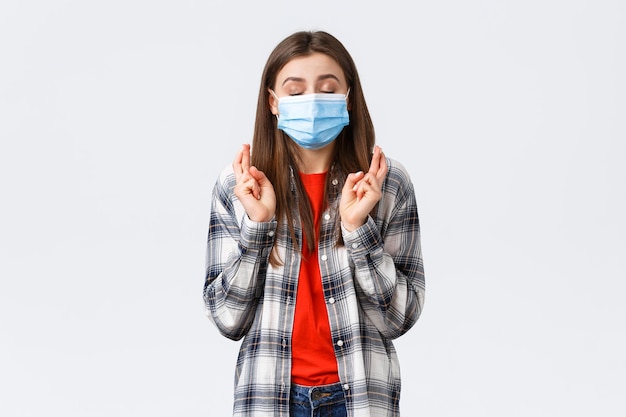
pixel 350 227
pixel 260 218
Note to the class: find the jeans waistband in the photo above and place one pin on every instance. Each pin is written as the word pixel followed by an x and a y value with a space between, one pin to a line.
pixel 317 395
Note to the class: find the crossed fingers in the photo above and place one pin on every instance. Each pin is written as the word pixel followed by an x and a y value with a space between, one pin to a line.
pixel 241 167
pixel 372 180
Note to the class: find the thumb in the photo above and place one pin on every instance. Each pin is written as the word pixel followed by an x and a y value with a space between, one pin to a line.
pixel 259 176
pixel 352 179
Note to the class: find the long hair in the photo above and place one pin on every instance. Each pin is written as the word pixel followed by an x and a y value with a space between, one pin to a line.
pixel 274 153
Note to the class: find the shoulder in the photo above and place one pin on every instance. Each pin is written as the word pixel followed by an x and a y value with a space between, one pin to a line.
pixel 397 176
pixel 225 179
pixel 223 190
pixel 398 195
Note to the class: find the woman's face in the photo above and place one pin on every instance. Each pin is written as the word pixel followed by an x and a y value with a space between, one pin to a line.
pixel 315 73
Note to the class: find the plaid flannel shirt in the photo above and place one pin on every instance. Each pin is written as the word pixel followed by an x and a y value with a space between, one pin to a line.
pixel 373 285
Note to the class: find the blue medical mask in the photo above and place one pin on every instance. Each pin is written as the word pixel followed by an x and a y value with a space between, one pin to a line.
pixel 313 120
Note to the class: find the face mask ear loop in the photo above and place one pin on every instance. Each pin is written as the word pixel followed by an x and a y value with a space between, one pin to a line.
pixel 347 94
pixel 276 97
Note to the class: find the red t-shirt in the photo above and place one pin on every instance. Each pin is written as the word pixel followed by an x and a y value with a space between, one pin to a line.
pixel 313 355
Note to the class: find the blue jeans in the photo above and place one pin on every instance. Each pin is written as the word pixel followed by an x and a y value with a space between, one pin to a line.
pixel 320 401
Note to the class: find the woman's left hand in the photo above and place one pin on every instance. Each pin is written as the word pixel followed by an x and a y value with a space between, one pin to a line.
pixel 362 191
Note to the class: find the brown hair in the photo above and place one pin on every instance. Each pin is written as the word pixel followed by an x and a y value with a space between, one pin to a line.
pixel 274 153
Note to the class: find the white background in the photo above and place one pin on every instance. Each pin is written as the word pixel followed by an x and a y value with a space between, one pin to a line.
pixel 116 117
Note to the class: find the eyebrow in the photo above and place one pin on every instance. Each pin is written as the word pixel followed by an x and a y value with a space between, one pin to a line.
pixel 320 78
pixel 327 76
pixel 296 79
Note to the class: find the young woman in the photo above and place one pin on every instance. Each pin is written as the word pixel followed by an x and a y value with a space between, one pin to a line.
pixel 314 251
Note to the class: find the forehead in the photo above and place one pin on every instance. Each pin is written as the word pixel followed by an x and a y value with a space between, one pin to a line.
pixel 310 67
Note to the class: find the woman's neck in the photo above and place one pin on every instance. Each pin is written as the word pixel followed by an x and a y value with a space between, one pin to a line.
pixel 316 161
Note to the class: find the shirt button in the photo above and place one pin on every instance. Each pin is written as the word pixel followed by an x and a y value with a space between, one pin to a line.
pixel 335 182
pixel 340 343
pixel 346 387
pixel 327 216
pixel 331 300
pixel 355 245
pixel 324 257
pixel 270 233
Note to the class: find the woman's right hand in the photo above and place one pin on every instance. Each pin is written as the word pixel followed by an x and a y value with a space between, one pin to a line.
pixel 253 188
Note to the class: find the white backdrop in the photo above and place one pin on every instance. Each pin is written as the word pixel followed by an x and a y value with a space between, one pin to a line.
pixel 116 116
